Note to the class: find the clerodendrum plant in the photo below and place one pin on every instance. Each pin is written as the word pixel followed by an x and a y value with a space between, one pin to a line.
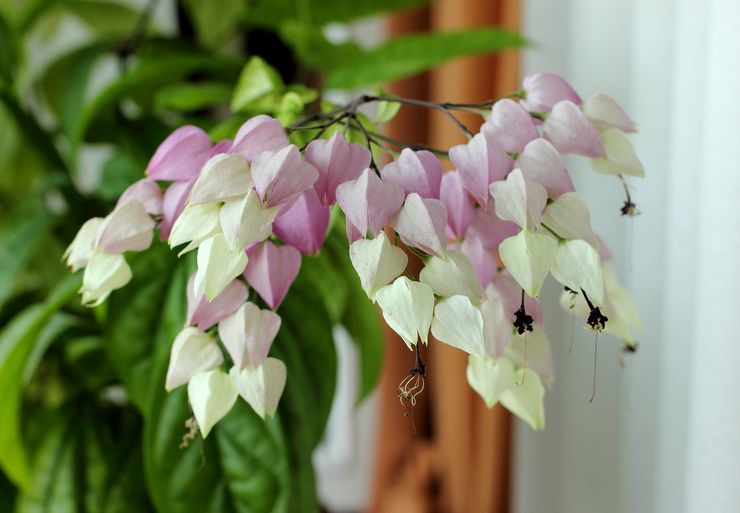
pixel 488 234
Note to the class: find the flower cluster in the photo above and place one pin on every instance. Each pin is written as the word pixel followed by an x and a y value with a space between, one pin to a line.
pixel 488 233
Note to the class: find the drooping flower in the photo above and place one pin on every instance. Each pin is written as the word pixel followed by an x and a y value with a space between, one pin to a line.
pixel 459 323
pixel 541 162
pixel 248 334
pixel 104 273
pixel 192 352
pixel 490 377
pixel 543 90
pixel 533 352
pixel 180 156
pixel 510 126
pixel 271 271
pixel 421 224
pixel 451 275
pixel 173 203
pixel 480 162
pixel 79 251
pixel 519 199
pixel 526 401
pixel 304 224
pixel 529 256
pixel 280 177
pixel 490 229
pixel 377 262
pixel 204 314
pixel 419 172
pixel 569 217
pixel 459 205
pixel 259 134
pixel 369 202
pixel 619 155
pixel 337 162
pixel 128 228
pixel 481 258
pixel 578 266
pixel 145 191
pixel 218 265
pixel 196 223
pixel 224 177
pixel 407 307
pixel 570 131
pixel 262 386
pixel 605 113
pixel 246 220
pixel 212 394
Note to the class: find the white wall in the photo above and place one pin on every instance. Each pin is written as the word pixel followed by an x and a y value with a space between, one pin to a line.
pixel 663 434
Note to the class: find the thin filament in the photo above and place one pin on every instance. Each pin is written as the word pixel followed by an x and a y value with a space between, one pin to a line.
pixel 593 386
pixel 524 372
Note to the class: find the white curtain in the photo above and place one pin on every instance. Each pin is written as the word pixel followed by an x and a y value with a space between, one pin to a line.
pixel 663 433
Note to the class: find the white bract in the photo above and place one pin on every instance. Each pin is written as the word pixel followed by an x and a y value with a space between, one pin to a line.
pixel 529 257
pixel 104 274
pixel 407 307
pixel 192 352
pixel 451 275
pixel 377 262
pixel 218 264
pixel 261 386
pixel 211 393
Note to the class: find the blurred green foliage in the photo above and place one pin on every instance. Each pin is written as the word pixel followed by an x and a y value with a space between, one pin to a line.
pixel 85 422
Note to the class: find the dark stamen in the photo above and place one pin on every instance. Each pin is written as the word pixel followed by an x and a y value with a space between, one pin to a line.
pixel 596 320
pixel 522 321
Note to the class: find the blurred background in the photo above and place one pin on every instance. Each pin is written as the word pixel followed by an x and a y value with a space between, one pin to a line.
pixel 663 433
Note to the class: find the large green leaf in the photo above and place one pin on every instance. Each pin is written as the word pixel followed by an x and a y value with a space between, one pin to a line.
pixel 360 316
pixel 65 83
pixel 156 65
pixel 105 18
pixel 87 457
pixel 20 235
pixel 259 87
pixel 319 12
pixel 190 97
pixel 34 134
pixel 242 466
pixel 17 342
pixel 134 318
pixel 306 346
pixel 7 51
pixel 405 56
pixel 215 21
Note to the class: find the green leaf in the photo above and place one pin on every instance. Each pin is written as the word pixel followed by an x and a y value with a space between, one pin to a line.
pixel 405 56
pixel 242 466
pixel 157 65
pixel 20 235
pixel 386 110
pixel 360 317
pixel 215 21
pixel 314 50
pixel 319 12
pixel 190 97
pixel 33 134
pixel 17 341
pixel 259 88
pixel 134 318
pixel 306 346
pixel 120 171
pixel 65 83
pixel 7 51
pixel 105 18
